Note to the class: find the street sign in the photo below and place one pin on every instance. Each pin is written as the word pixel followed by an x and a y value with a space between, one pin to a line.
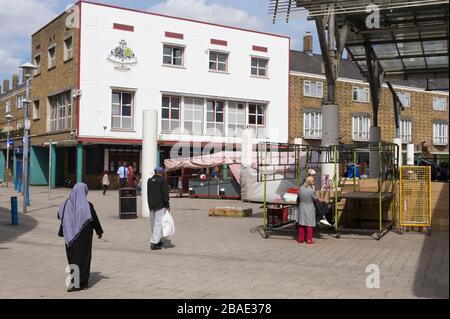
pixel 27 124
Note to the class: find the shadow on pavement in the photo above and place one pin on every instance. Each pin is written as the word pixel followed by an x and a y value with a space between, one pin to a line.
pixel 9 232
pixel 95 278
pixel 168 244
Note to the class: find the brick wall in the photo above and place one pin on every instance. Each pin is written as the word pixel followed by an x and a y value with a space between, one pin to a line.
pixel 420 113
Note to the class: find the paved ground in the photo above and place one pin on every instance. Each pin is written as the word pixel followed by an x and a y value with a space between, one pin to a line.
pixel 211 257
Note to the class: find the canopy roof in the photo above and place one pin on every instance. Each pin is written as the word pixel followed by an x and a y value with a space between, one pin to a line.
pixel 411 42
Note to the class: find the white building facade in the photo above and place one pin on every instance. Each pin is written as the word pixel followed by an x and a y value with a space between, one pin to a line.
pixel 207 82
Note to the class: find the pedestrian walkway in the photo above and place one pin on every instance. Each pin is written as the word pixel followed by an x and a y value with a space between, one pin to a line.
pixel 211 257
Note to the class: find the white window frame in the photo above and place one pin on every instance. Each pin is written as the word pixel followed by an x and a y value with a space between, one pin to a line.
pixel 38 70
pixel 121 105
pixel 440 133
pixel 174 129
pixel 217 62
pixel 36 110
pixel 172 57
pixel 51 62
pixel 405 98
pixel 312 125
pixel 357 89
pixel 68 53
pixel 258 67
pixel 440 99
pixel 8 106
pixel 60 115
pixel 258 127
pixel 19 102
pixel 358 132
pixel 236 127
pixel 308 88
pixel 215 124
pixel 406 131
pixel 191 108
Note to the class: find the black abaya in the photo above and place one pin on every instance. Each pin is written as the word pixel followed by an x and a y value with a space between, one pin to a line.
pixel 80 252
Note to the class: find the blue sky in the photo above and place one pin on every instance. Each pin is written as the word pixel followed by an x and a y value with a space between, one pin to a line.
pixel 20 18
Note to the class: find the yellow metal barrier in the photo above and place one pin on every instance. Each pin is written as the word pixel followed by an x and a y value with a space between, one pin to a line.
pixel 415 197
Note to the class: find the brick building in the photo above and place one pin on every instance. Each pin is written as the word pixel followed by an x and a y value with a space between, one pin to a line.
pixel 424 120
pixel 12 105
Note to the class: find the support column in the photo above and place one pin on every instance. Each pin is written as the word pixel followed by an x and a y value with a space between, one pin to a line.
pixel 330 137
pixel 53 165
pixel 398 141
pixel 2 166
pixel 225 171
pixel 79 162
pixel 106 159
pixel 374 163
pixel 158 156
pixel 14 173
pixel 410 154
pixel 150 154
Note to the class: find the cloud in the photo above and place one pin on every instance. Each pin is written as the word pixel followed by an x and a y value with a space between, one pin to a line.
pixel 215 13
pixel 18 20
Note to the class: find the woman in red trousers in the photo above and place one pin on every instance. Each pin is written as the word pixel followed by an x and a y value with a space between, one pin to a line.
pixel 306 212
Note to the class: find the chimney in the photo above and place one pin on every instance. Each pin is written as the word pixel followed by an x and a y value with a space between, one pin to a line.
pixel 5 85
pixel 308 43
pixel 15 81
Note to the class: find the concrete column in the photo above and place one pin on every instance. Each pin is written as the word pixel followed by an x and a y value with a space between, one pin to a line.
pixel 330 137
pixel 80 162
pixel 106 159
pixel 149 154
pixel 398 141
pixel 53 165
pixel 410 154
pixel 374 162
pixel 247 148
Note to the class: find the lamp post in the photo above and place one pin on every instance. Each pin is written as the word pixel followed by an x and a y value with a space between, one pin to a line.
pixel 27 69
pixel 9 117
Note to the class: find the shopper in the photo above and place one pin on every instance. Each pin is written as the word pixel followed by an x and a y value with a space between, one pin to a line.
pixel 307 212
pixel 131 177
pixel 105 182
pixel 158 203
pixel 78 221
pixel 122 172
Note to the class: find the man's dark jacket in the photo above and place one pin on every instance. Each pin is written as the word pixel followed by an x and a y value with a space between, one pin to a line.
pixel 157 193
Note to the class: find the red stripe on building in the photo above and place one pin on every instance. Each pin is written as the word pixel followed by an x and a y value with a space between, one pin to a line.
pixel 123 27
pixel 174 35
pixel 260 49
pixel 219 42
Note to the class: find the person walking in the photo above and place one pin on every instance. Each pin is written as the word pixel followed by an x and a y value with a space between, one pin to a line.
pixel 306 212
pixel 131 177
pixel 122 172
pixel 78 221
pixel 158 203
pixel 105 182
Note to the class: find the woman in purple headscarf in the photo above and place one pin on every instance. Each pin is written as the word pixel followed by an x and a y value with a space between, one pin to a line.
pixel 78 220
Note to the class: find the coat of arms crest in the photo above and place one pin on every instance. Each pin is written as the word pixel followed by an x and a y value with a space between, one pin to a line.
pixel 122 57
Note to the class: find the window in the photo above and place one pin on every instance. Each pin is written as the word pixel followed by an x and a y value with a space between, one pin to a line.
pixel 122 110
pixel 360 127
pixel 360 95
pixel 405 98
pixel 314 89
pixel 60 112
pixel 440 133
pixel 52 57
pixel 173 55
pixel 405 131
pixel 68 48
pixel 218 61
pixel 439 103
pixel 8 106
pixel 19 102
pixel 193 115
pixel 36 110
pixel 256 119
pixel 19 125
pixel 37 62
pixel 259 67
pixel 214 118
pixel 312 125
pixel 236 118
pixel 170 113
